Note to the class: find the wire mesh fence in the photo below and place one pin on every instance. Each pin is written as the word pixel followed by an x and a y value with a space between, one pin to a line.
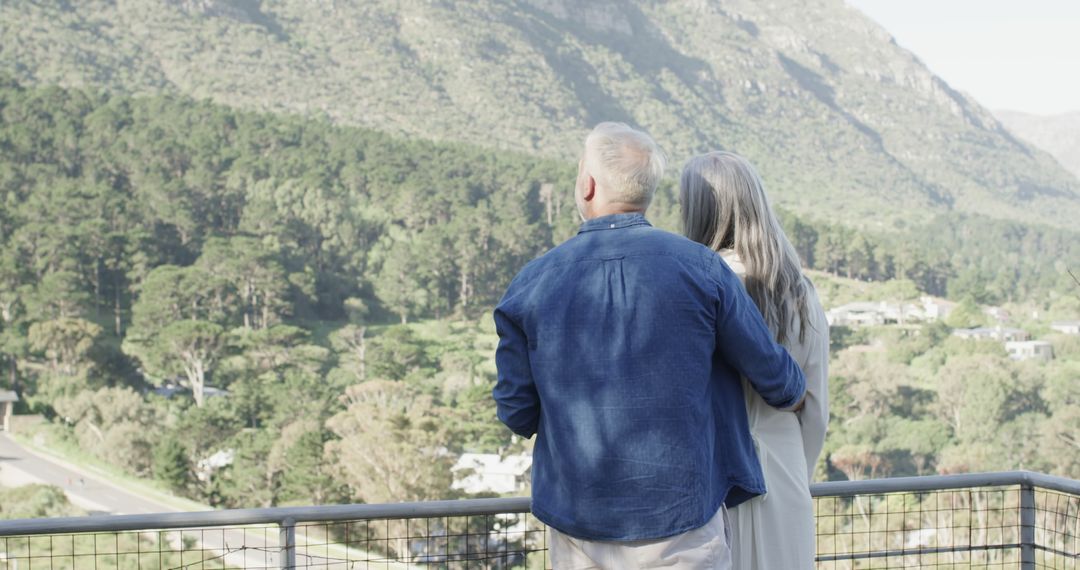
pixel 860 525
pixel 204 548
pixel 962 528
pixel 1057 530
pixel 500 541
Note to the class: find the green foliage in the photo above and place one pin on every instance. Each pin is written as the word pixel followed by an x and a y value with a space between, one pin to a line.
pixel 966 315
pixel 171 464
pixel 398 353
pixel 840 120
pixel 158 240
pixel 114 424
pixel 35 501
pixel 392 444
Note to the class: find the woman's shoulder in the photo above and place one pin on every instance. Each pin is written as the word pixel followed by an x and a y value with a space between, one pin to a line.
pixel 733 261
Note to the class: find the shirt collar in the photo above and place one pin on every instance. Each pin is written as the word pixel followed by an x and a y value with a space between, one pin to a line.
pixel 614 221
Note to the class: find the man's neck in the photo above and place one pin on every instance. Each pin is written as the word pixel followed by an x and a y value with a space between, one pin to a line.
pixel 612 209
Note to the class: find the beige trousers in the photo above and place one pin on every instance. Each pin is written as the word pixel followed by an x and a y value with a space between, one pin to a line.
pixel 704 548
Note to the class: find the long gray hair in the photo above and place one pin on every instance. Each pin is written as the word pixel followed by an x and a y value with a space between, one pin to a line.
pixel 724 207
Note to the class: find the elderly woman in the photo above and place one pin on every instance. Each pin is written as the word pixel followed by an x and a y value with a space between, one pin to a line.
pixel 724 207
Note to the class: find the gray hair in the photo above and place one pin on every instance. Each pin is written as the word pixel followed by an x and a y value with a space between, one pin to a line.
pixel 724 206
pixel 625 161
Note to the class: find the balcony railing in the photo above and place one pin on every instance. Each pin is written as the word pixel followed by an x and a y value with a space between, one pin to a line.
pixel 991 520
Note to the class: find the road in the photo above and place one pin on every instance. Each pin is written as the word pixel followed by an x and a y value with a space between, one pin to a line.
pixel 98 496
pixel 86 491
pixel 242 548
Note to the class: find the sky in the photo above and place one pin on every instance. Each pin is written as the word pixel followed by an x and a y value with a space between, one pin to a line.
pixel 1020 55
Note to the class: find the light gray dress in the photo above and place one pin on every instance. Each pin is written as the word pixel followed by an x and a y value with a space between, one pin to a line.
pixel 776 530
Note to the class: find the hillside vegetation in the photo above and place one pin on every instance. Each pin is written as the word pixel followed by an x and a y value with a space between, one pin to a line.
pixel 337 283
pixel 846 125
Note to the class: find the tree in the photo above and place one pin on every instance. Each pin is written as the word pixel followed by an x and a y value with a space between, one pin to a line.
pixel 253 271
pixel 397 283
pixel 829 252
pixel 269 348
pixel 58 295
pixel 393 444
pixel 115 424
pixel 351 340
pixel 857 461
pixel 397 353
pixel 304 470
pixel 860 258
pixel 974 392
pixel 171 465
pixel 966 314
pixel 66 342
pixel 923 439
pixel 250 481
pixel 170 293
pixel 187 347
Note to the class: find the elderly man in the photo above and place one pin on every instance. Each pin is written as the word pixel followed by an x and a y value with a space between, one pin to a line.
pixel 622 349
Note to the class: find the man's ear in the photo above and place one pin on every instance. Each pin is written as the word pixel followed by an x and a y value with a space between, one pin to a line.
pixel 590 188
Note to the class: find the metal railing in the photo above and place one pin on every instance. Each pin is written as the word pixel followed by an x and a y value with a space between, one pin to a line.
pixel 992 520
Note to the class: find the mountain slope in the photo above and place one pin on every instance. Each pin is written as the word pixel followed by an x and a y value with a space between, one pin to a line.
pixel 844 124
pixel 1058 135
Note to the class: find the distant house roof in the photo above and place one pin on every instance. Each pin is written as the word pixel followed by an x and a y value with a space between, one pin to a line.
pixel 988 331
pixel 8 396
pixel 491 463
pixel 1028 343
pixel 1065 323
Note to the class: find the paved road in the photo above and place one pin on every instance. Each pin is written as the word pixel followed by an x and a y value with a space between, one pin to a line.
pixel 87 491
pixel 98 496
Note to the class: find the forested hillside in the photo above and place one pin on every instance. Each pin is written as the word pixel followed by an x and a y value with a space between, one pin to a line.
pixel 846 126
pixel 156 242
pixel 160 242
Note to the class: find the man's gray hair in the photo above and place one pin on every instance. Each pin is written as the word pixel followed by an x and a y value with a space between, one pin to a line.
pixel 627 162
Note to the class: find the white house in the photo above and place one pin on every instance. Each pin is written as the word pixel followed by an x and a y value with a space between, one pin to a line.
pixel 883 313
pixel 1030 350
pixel 936 309
pixel 857 314
pixel 874 313
pixel 1067 327
pixel 999 333
pixel 491 473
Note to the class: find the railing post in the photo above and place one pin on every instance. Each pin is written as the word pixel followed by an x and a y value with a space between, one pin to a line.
pixel 1027 527
pixel 287 544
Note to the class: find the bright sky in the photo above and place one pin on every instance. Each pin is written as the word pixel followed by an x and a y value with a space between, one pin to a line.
pixel 1022 55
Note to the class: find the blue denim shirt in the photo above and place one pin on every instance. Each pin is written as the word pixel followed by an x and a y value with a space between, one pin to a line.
pixel 622 349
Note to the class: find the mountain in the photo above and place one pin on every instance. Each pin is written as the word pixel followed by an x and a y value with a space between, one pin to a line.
pixel 845 125
pixel 1058 135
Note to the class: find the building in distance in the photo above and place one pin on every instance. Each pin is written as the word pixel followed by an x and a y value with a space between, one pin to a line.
pixel 491 473
pixel 1066 327
pixel 1030 350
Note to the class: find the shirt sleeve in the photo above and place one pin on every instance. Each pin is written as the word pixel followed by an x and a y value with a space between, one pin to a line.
pixel 814 417
pixel 516 398
pixel 744 341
